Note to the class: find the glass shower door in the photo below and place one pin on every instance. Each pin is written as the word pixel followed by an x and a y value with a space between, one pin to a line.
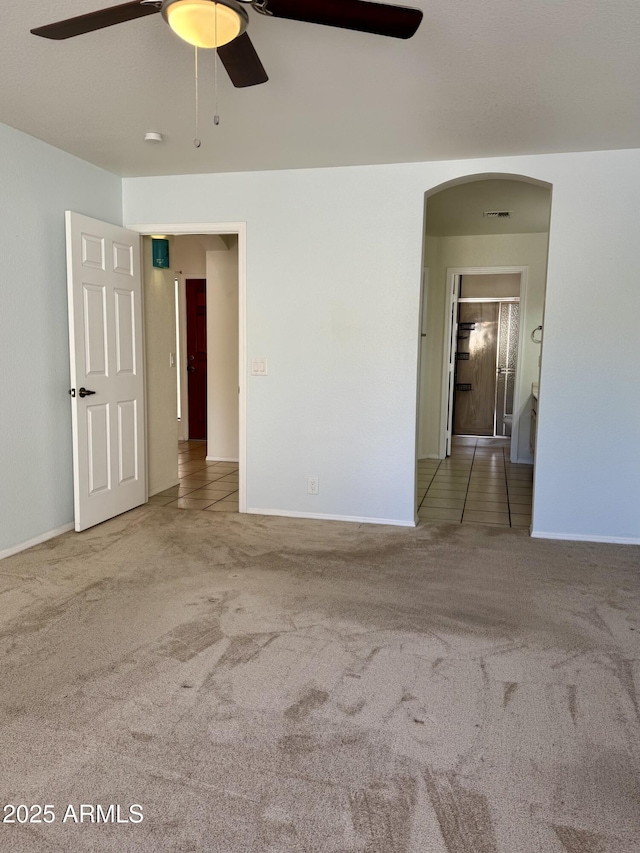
pixel 507 359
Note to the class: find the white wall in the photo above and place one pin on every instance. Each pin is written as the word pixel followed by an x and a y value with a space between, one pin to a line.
pixel 189 259
pixel 482 251
pixel 310 312
pixel 38 183
pixel 160 343
pixel 222 354
pixel 334 260
pixel 494 286
pixel 432 343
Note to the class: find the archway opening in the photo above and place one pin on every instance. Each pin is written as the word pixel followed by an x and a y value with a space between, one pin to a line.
pixel 485 263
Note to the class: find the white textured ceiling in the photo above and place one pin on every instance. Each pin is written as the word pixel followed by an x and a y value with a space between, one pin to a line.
pixel 484 79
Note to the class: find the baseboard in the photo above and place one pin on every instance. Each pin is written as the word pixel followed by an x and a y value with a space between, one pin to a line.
pixel 169 485
pixel 220 459
pixel 321 516
pixel 38 540
pixel 586 537
pixel 527 461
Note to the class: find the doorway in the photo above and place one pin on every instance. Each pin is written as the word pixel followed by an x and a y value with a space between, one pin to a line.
pixel 481 224
pixel 196 293
pixel 485 355
pixel 484 224
pixel 235 231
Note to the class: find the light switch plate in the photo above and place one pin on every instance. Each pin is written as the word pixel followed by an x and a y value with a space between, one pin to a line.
pixel 259 366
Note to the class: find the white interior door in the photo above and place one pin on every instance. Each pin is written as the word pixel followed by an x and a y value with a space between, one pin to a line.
pixel 107 379
pixel 453 346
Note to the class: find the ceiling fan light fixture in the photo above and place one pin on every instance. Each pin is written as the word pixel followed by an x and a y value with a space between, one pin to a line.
pixel 205 23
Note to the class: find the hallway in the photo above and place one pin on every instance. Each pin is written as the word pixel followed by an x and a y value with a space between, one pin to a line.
pixel 477 484
pixel 211 486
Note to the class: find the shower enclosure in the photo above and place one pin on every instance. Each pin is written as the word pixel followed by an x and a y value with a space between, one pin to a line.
pixel 485 366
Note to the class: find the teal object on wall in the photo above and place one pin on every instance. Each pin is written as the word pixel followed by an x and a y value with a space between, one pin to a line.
pixel 160 253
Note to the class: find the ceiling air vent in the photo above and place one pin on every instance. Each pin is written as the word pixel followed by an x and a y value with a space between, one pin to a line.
pixel 497 214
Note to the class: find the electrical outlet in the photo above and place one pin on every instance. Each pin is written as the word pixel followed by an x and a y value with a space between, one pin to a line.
pixel 313 485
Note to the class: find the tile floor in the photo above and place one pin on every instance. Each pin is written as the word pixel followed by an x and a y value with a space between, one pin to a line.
pixel 209 486
pixel 477 484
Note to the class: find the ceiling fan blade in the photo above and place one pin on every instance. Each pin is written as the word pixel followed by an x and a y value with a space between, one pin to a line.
pixel 95 20
pixel 361 15
pixel 242 63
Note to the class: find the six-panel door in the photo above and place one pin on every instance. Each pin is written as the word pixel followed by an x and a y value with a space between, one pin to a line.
pixel 105 332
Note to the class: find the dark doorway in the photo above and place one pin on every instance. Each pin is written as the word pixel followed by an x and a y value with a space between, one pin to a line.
pixel 196 291
pixel 474 400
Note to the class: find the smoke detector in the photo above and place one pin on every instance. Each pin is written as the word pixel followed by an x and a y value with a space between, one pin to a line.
pixel 497 214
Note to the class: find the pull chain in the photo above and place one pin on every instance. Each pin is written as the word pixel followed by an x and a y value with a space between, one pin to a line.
pixel 197 143
pixel 216 117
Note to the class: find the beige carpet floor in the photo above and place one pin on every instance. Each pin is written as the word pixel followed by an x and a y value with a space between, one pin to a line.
pixel 266 685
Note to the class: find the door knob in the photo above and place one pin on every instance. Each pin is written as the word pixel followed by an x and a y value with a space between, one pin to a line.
pixel 84 393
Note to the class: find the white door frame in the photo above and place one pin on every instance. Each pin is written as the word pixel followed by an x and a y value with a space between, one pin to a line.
pixel 453 274
pixel 181 322
pixel 422 350
pixel 449 365
pixel 240 230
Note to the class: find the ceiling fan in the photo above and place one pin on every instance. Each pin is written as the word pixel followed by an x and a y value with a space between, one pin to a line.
pixel 222 24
